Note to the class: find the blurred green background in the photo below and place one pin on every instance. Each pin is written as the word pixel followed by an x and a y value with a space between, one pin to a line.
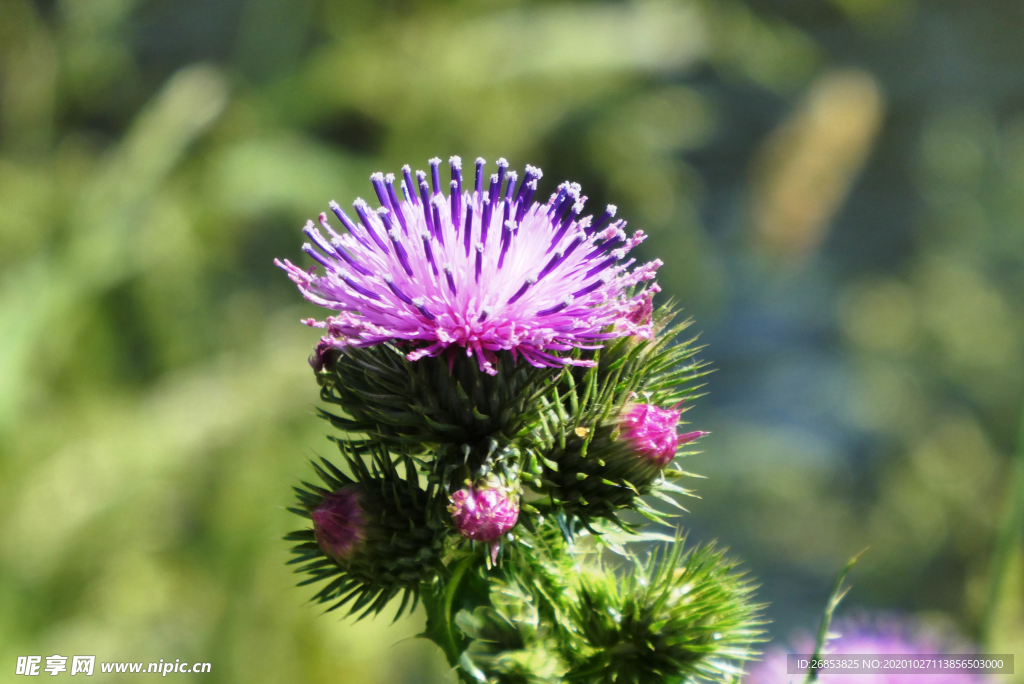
pixel 836 187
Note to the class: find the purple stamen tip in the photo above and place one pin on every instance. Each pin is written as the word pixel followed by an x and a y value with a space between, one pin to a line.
pixel 359 288
pixel 455 201
pixel 600 267
pixel 425 200
pixel 320 258
pixel 377 179
pixel 456 164
pixel 480 162
pixel 435 175
pixel 396 206
pixel 451 281
pixel 599 283
pixel 385 216
pixel 555 260
pixel 502 169
pixel 522 290
pixel 555 309
pixel 398 293
pixel 555 202
pixel 495 188
pixel 532 174
pixel 363 211
pixel 510 187
pixel 419 304
pixel 604 220
pixel 410 187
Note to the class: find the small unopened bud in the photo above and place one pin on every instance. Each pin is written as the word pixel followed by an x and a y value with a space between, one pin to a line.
pixel 651 431
pixel 338 524
pixel 484 513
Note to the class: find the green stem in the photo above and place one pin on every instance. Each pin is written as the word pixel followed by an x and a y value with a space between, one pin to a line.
pixel 834 597
pixel 440 628
pixel 1008 539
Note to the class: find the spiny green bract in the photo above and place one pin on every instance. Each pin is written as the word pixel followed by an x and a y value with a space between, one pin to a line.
pixel 404 535
pixel 554 615
pixel 515 630
pixel 510 643
pixel 430 401
pixel 587 469
pixel 679 616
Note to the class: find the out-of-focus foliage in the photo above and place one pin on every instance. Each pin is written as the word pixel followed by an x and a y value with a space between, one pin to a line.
pixel 834 187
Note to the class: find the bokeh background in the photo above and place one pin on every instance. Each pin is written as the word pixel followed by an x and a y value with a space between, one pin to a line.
pixel 836 187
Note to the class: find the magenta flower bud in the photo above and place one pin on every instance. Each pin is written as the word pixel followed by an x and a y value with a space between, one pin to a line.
pixel 651 431
pixel 484 513
pixel 338 524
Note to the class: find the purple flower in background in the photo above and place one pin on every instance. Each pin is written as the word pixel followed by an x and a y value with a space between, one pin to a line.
pixel 483 270
pixel 651 431
pixel 338 523
pixel 877 636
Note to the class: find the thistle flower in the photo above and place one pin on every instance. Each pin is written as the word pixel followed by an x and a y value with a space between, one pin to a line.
pixel 651 432
pixel 481 270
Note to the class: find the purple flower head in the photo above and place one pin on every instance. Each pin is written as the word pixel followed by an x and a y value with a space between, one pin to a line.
pixel 338 524
pixel 483 269
pixel 652 432
pixel 867 636
pixel 484 513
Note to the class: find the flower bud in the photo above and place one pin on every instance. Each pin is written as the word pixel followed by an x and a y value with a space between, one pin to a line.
pixel 651 431
pixel 484 513
pixel 375 534
pixel 611 466
pixel 338 524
